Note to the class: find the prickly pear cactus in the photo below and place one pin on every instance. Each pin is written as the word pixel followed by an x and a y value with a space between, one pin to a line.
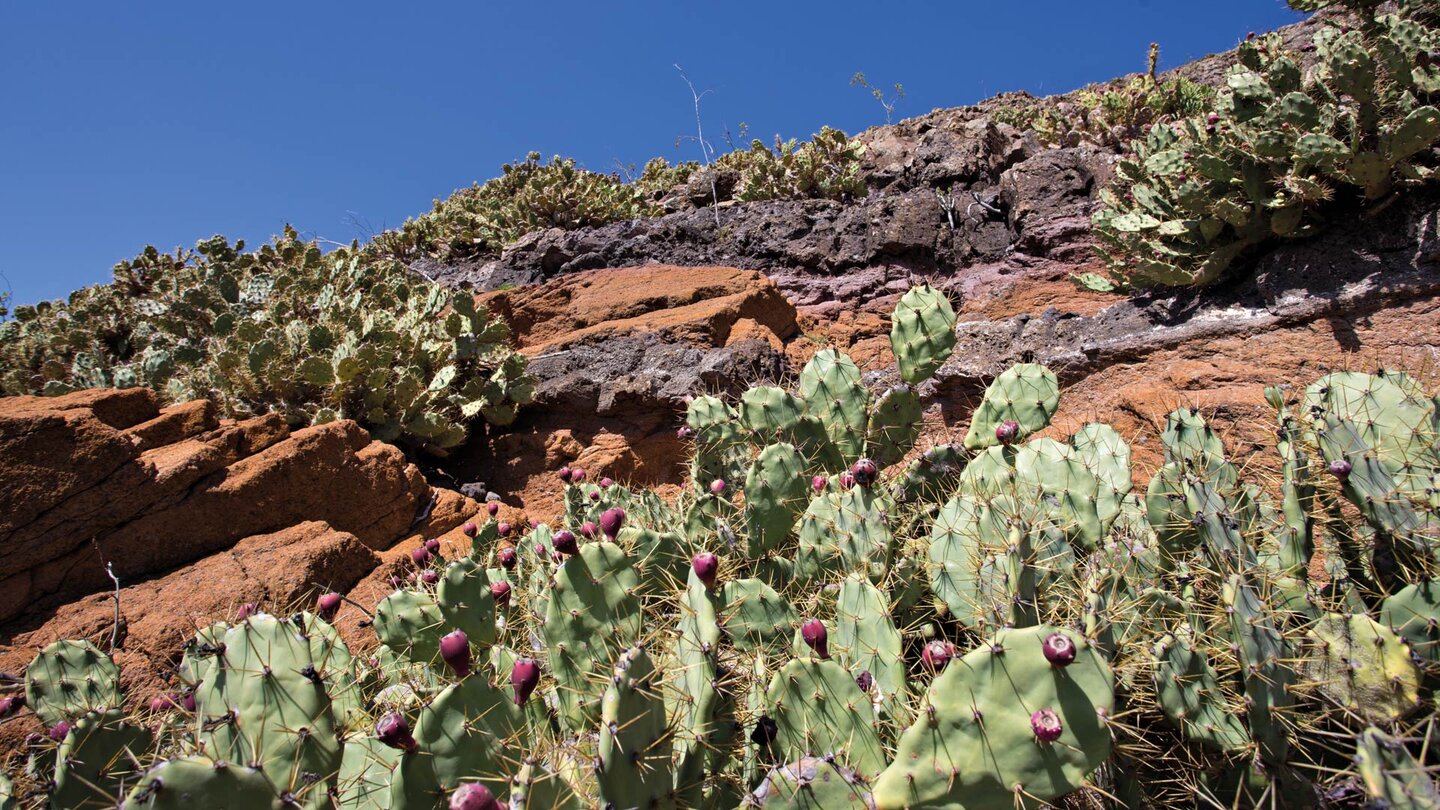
pixel 635 740
pixel 819 711
pixel 866 640
pixel 464 735
pixel 845 532
pixel 463 596
pixel 1363 667
pixel 975 741
pixel 922 333
pixel 831 388
pixel 1391 776
pixel 1189 692
pixel 69 679
pixel 410 623
pixel 593 615
pixel 199 781
pixel 811 783
pixel 752 615
pixel 98 757
pixel 776 489
pixel 1026 394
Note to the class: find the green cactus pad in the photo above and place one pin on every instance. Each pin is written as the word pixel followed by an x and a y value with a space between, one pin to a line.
pixel 466 734
pixel 922 333
pixel 364 780
pixel 1107 457
pixel 68 679
pixel 1056 474
pixel 1189 692
pixel 593 615
pixel 410 623
pixel 1414 614
pixel 776 489
pixel 464 599
pixel 894 425
pixel 1269 681
pixel 1027 394
pixel 972 745
pixel 1392 777
pixel 843 533
pixel 696 697
pixel 811 783
pixel 1363 667
pixel 754 616
pixel 932 475
pixel 766 411
pixel 192 782
pixel 100 756
pixel 866 640
pixel 819 711
pixel 635 741
pixel 831 388
pixel 536 787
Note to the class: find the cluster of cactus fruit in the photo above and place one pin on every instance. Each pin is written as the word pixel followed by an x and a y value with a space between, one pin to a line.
pixel 283 329
pixel 814 622
pixel 1282 146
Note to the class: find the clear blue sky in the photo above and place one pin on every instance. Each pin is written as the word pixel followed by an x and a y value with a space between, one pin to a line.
pixel 165 122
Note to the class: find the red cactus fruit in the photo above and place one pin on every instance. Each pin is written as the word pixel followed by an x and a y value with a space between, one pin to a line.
pixel 507 556
pixel 594 495
pixel 865 472
pixel 814 634
pixel 606 483
pixel 455 649
pixel 1340 468
pixel 1059 649
pixel 684 432
pixel 577 475
pixel 421 556
pixel 717 487
pixel 523 678
pixel 493 508
pixel 847 480
pixel 612 521
pixel 394 731
pixel 565 543
pixel 588 530
pixel 10 705
pixel 59 730
pixel 432 545
pixel 1046 725
pixel 327 606
pixel 706 567
pixel 865 681
pixel 473 796
pixel 563 474
pixel 504 529
pixel 470 529
pixel 937 654
pixel 429 576
pixel 500 590
pixel 246 611
pixel 818 483
pixel 1007 431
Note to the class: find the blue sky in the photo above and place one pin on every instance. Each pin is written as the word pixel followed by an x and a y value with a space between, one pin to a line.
pixel 165 122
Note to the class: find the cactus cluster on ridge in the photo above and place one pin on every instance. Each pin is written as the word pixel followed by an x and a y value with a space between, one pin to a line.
pixel 828 616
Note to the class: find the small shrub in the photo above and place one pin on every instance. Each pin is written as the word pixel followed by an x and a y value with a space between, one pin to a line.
pixel 827 167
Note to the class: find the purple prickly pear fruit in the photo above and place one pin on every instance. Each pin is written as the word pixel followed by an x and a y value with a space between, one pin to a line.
pixel 557 558
pixel 563 474
pixel 470 529
pixel 432 545
pixel 594 495
pixel 493 508
pixel 507 557
pixel 327 606
pixel 188 702
pixel 937 654
pixel 818 483
pixel 523 678
pixel 539 549
pixel 588 530
pixel 612 521
pixel 473 796
pixel 421 556
pixel 1007 431
pixel 394 731
pixel 246 611
pixel 1212 118
pixel 847 480
pixel 606 483
pixel 11 705
pixel 501 592
pixel 59 730
pixel 865 681
pixel 395 581
pixel 577 475
pixel 504 529
pixel 1059 649
pixel 706 567
pixel 717 487
pixel 455 649
pixel 429 576
pixel 1046 725
pixel 164 703
pixel 684 432
pixel 1340 468
pixel 814 634
pixel 865 472
pixel 532 524
pixel 565 543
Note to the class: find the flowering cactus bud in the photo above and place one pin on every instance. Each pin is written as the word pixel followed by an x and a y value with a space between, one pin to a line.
pixel 507 556
pixel 588 530
pixel 246 611
pixel 606 483
pixel 818 483
pixel 470 529
pixel 1059 649
pixel 1340 468
pixel 327 606
pixel 59 730
pixel 1007 431
pixel 847 480
pixel 429 576
pixel 565 543
pixel 937 654
pixel 563 474
pixel 612 521
pixel 523 678
pixel 455 649
pixel 814 634
pixel 1046 725
pixel 500 590
pixel 504 529
pixel 432 545
pixel 473 796
pixel 10 705
pixel 421 556
pixel 706 567
pixel 684 432
pixel 865 681
pixel 865 472
pixel 493 508
pixel 717 487
pixel 394 731
pixel 577 475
